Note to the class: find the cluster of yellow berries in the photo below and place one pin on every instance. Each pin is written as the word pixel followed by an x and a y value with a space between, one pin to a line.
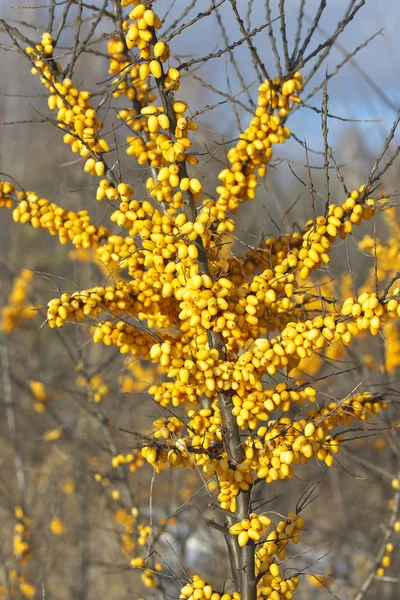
pixel 40 53
pixel 249 407
pixel 18 309
pixel 274 288
pixel 7 189
pixel 143 533
pixel 128 81
pixel 232 481
pixel 302 339
pixel 198 589
pixel 21 548
pixel 270 455
pixel 274 587
pixel 167 427
pixel 75 113
pixel 204 425
pixel 148 576
pixel 285 442
pixel 127 338
pixel 133 298
pixel 39 212
pixel 152 147
pixel 177 456
pixel 318 239
pixel 140 32
pixel 361 406
pixel 96 387
pixel 276 544
pixel 175 449
pixel 384 270
pixel 252 528
pixel 132 82
pixel 297 442
pixel 385 560
pixel 369 313
pixel 169 392
pixel 255 147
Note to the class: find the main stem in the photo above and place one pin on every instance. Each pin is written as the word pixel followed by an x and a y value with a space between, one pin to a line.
pixel 230 429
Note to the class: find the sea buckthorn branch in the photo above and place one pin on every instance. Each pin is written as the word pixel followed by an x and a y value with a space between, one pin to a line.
pixel 255 148
pixel 270 355
pixel 50 73
pixel 136 89
pixel 126 298
pixel 39 212
pixel 111 251
pixel 274 287
pixel 269 454
pixel 75 113
pixel 385 272
pixel 303 252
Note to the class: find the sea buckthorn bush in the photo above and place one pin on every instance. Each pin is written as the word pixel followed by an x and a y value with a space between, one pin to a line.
pixel 190 389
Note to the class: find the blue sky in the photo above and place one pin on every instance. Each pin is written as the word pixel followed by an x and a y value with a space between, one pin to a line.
pixel 350 95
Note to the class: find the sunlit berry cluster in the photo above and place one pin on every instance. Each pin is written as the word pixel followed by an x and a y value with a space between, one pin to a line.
pixel 252 528
pixel 75 113
pixel 369 312
pixel 255 147
pixel 41 213
pixel 198 589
